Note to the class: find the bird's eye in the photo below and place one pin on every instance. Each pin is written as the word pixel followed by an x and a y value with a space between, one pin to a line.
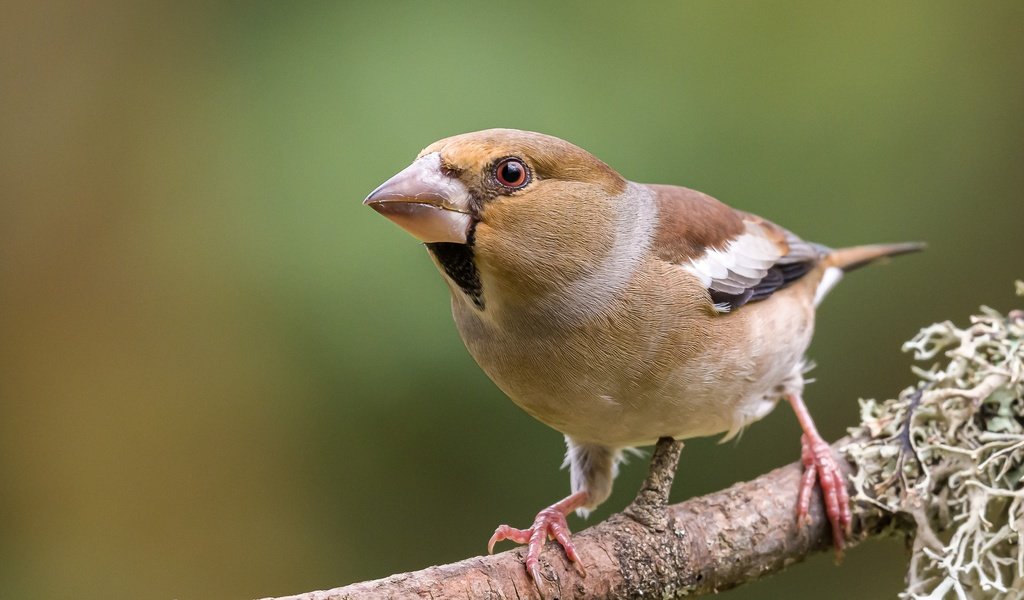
pixel 511 173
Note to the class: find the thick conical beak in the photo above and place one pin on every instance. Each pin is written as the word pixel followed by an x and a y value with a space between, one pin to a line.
pixel 426 202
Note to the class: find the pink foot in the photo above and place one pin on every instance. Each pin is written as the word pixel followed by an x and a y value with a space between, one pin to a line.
pixel 549 522
pixel 821 465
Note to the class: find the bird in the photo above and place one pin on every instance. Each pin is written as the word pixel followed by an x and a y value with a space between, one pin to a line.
pixel 620 314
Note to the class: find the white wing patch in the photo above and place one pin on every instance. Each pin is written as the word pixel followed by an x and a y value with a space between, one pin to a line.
pixel 740 265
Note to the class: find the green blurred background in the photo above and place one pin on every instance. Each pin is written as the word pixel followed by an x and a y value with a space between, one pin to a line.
pixel 221 376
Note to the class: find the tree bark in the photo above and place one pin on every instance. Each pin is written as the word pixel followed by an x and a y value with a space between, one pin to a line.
pixel 711 543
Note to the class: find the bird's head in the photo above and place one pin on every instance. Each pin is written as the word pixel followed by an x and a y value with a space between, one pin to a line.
pixel 530 212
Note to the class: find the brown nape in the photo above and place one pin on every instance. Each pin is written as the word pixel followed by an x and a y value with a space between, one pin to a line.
pixel 690 222
pixel 547 156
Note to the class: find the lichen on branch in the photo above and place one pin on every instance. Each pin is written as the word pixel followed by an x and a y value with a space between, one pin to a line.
pixel 948 455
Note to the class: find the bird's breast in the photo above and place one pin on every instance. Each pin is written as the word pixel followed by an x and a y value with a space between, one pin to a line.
pixel 656 365
pixel 608 377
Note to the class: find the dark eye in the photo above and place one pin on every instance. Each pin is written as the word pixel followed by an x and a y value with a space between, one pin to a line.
pixel 511 173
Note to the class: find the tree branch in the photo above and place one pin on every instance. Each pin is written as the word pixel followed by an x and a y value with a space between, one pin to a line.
pixel 712 543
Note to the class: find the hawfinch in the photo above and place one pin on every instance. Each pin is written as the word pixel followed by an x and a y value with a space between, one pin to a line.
pixel 619 313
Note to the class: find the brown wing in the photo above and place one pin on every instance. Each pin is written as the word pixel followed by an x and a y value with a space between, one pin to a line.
pixel 739 257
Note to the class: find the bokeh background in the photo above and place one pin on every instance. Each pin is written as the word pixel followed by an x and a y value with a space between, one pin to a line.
pixel 221 376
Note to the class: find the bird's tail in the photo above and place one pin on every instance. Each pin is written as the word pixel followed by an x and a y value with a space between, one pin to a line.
pixel 838 262
pixel 849 259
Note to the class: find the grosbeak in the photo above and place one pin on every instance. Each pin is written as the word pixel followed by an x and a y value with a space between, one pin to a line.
pixel 619 313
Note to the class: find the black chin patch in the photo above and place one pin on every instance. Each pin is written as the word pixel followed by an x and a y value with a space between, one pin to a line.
pixel 457 262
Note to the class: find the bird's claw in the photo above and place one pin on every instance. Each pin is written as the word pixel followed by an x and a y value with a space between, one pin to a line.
pixel 549 523
pixel 820 465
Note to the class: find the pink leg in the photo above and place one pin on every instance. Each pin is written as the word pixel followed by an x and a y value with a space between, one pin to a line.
pixel 549 522
pixel 821 465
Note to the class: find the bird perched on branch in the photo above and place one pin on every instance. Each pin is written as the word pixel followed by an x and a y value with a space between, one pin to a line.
pixel 619 313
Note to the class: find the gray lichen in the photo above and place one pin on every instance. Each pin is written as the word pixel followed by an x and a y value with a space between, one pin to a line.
pixel 947 455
